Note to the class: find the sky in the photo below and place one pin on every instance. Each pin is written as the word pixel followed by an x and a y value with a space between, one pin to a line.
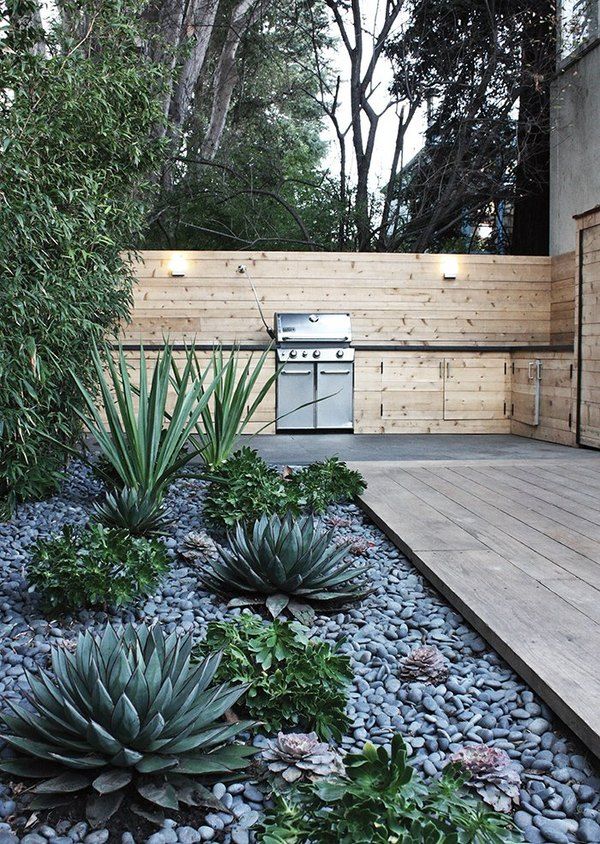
pixel 384 147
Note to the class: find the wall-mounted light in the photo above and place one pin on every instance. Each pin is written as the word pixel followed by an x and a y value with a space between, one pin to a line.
pixel 177 265
pixel 450 267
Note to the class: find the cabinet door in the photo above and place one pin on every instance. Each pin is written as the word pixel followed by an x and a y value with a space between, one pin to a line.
pixel 334 391
pixel 412 386
pixel 296 387
pixel 525 391
pixel 475 387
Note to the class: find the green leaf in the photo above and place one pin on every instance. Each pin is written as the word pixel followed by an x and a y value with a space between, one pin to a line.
pixel 112 780
pixel 101 807
pixel 70 781
pixel 161 793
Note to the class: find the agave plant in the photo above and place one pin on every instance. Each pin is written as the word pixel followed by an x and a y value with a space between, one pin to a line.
pixel 133 510
pixel 141 450
pixel 287 563
pixel 300 757
pixel 226 416
pixel 126 710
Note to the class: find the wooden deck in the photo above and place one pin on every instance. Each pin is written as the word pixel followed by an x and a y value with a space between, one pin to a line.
pixel 515 546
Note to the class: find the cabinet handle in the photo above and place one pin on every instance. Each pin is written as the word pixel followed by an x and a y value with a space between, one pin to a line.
pixel 334 372
pixel 441 369
pixel 297 372
pixel 447 369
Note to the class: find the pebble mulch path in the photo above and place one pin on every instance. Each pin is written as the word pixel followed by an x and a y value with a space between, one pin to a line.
pixel 482 701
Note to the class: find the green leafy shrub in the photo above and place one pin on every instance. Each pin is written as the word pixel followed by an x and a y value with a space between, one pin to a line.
pixel 317 486
pixel 141 450
pixel 95 566
pixel 231 407
pixel 132 510
pixel 78 145
pixel 287 563
pixel 127 710
pixel 294 681
pixel 380 801
pixel 245 489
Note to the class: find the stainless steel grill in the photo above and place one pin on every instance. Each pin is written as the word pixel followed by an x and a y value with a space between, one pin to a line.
pixel 318 372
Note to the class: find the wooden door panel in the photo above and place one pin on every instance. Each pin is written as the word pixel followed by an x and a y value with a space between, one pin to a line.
pixel 475 388
pixel 412 387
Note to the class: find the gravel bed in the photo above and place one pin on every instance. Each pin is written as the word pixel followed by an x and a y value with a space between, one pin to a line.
pixel 482 701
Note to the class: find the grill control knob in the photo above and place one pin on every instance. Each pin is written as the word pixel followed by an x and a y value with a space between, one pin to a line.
pixel 293 353
pixel 304 353
pixel 316 353
pixel 339 353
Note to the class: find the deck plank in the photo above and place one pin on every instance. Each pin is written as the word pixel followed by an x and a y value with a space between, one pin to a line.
pixel 518 557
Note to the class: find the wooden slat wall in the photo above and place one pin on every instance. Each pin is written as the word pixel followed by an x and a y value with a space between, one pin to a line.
pixel 562 304
pixel 589 350
pixel 393 298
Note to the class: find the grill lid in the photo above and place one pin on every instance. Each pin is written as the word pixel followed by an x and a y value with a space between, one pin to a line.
pixel 316 327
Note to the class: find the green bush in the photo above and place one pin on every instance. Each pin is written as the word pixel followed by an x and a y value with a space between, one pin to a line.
pixel 94 566
pixel 245 489
pixel 295 681
pixel 381 800
pixel 78 144
pixel 317 486
pixel 127 710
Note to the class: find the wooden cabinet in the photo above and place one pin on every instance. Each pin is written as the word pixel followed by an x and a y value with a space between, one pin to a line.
pixel 412 387
pixel 475 387
pixel 542 393
pixel 421 392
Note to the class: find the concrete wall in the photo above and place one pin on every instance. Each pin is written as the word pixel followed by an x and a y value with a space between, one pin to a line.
pixel 574 148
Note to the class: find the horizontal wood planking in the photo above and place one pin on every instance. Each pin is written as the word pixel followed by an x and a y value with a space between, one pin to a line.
pixel 562 304
pixel 517 555
pixel 399 298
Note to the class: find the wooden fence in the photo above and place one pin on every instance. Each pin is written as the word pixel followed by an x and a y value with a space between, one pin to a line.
pixel 433 354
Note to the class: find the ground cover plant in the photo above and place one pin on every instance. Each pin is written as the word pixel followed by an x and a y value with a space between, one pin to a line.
pixel 380 800
pixel 127 708
pixel 94 566
pixel 79 143
pixel 294 680
pixel 317 486
pixel 245 489
pixel 288 564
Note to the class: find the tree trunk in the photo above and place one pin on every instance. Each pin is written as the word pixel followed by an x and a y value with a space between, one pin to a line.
pixel 243 15
pixel 531 222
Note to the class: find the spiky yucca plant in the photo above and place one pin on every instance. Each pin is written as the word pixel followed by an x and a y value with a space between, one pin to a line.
pixel 285 563
pixel 126 710
pixel 133 510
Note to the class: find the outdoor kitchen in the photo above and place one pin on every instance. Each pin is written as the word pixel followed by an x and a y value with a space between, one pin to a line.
pixel 379 343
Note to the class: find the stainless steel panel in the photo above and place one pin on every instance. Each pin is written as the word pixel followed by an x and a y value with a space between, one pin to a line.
pixel 300 353
pixel 304 327
pixel 335 387
pixel 295 387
